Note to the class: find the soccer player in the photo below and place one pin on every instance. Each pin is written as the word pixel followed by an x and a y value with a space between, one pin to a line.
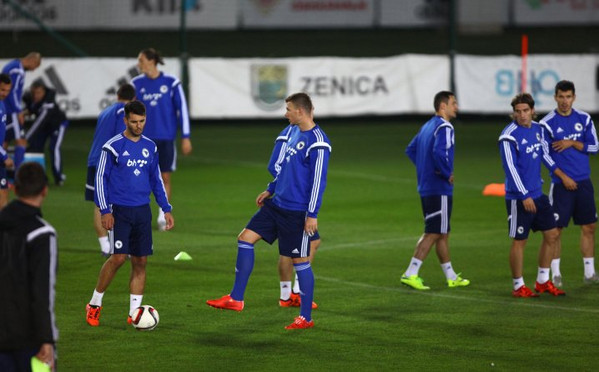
pixel 127 173
pixel 290 297
pixel 110 123
pixel 28 275
pixel 16 118
pixel 431 150
pixel 522 147
pixel 5 161
pixel 167 110
pixel 50 123
pixel 288 209
pixel 572 137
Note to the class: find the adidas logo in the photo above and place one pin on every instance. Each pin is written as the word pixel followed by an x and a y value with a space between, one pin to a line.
pixel 126 153
pixel 524 141
pixel 559 130
pixel 295 251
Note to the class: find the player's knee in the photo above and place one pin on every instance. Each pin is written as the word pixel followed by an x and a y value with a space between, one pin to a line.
pixel 118 259
pixel 589 229
pixel 552 236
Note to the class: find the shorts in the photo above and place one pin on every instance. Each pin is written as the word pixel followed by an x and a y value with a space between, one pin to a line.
pixel 436 210
pixel 132 231
pixel 579 204
pixel 272 223
pixel 520 222
pixel 14 130
pixel 3 177
pixel 90 184
pixel 167 155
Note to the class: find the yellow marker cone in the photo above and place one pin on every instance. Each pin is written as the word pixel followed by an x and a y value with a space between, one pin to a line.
pixel 182 256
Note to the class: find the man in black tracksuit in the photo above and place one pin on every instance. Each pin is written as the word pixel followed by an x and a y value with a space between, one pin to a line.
pixel 50 123
pixel 28 262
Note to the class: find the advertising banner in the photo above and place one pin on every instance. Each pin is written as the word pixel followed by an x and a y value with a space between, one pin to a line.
pixel 84 87
pixel 121 14
pixel 556 12
pixel 487 84
pixel 307 13
pixel 256 88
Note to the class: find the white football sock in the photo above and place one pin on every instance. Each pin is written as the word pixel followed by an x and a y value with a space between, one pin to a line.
pixel 448 270
pixel 555 267
pixel 134 302
pixel 518 282
pixel 96 298
pixel 285 290
pixel 296 287
pixel 543 275
pixel 589 266
pixel 414 267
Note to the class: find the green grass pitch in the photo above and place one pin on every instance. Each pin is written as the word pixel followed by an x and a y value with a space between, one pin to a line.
pixel 369 223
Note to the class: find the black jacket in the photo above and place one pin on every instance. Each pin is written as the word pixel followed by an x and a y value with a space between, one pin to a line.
pixel 28 262
pixel 48 116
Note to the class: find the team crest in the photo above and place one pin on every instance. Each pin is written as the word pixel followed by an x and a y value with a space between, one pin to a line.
pixel 578 127
pixel 300 145
pixel 520 229
pixel 118 244
pixel 269 86
pixel 145 153
pixel 556 216
pixel 163 89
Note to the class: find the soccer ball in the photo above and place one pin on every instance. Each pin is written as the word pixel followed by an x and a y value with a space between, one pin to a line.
pixel 145 318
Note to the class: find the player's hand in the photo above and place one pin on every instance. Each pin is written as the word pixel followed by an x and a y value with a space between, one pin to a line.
pixel 9 163
pixel 263 196
pixel 170 221
pixel 451 179
pixel 529 205
pixel 186 146
pixel 569 183
pixel 107 221
pixel 21 118
pixel 311 226
pixel 46 355
pixel 561 145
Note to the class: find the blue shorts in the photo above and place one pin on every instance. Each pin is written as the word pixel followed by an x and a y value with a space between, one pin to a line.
pixel 167 155
pixel 436 210
pixel 520 222
pixel 272 223
pixel 579 204
pixel 132 231
pixel 3 177
pixel 14 130
pixel 90 184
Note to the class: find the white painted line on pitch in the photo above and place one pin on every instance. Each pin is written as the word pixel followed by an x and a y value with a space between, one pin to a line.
pixel 440 295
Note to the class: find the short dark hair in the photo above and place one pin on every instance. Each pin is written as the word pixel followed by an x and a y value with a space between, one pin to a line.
pixel 523 98
pixel 564 86
pixel 126 92
pixel 38 84
pixel 30 180
pixel 135 107
pixel 442 97
pixel 153 55
pixel 301 100
pixel 5 79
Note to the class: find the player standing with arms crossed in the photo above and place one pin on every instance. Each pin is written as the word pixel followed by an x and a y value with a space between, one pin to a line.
pixel 110 123
pixel 522 148
pixel 127 173
pixel 572 137
pixel 431 150
pixel 167 110
pixel 291 214
pixel 16 118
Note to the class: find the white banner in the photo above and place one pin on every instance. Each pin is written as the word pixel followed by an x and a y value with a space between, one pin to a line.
pixel 488 84
pixel 121 14
pixel 84 87
pixel 556 12
pixel 307 13
pixel 256 88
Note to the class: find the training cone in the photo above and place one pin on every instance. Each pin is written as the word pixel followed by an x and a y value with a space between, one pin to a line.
pixel 494 189
pixel 182 256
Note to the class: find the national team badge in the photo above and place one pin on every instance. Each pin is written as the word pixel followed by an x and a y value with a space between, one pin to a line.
pixel 578 127
pixel 118 244
pixel 163 89
pixel 300 145
pixel 145 152
pixel 269 86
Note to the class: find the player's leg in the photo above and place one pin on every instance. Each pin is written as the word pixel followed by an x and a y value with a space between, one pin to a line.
pixel 556 273
pixel 585 215
pixel 56 139
pixel 562 202
pixel 137 283
pixel 140 247
pixel 587 248
pixel 519 222
pixel 314 244
pixel 285 267
pixel 544 220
